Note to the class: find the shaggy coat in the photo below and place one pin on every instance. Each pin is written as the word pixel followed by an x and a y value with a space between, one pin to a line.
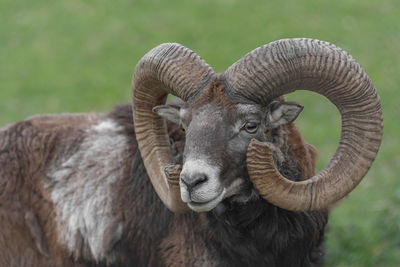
pixel 74 192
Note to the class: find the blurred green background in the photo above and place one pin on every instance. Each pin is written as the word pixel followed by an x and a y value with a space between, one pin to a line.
pixel 79 56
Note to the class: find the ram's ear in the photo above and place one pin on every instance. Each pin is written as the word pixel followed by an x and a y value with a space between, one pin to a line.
pixel 169 112
pixel 282 113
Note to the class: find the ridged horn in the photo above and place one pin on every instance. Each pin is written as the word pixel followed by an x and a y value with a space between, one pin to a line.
pixel 167 68
pixel 287 65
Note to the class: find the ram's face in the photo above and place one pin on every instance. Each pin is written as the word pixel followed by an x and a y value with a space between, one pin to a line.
pixel 218 132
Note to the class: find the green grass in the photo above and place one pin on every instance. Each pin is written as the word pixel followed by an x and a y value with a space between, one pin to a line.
pixel 78 56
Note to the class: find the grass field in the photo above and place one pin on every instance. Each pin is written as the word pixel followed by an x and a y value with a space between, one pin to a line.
pixel 78 56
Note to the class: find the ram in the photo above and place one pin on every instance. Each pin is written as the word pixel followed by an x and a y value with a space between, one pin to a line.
pixel 226 180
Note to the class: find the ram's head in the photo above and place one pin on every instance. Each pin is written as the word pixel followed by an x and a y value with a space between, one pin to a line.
pixel 229 118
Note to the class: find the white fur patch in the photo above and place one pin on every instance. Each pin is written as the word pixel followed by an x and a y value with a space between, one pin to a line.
pixel 234 187
pixel 107 125
pixel 82 189
pixel 183 113
pixel 208 190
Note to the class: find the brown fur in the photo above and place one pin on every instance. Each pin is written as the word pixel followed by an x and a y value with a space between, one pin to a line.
pixel 182 246
pixel 29 236
pixel 300 151
pixel 26 211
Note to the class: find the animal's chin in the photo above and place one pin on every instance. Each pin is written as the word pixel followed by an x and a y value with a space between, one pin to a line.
pixel 233 190
pixel 207 206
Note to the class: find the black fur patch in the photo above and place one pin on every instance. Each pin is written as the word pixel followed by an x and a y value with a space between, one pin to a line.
pixel 258 233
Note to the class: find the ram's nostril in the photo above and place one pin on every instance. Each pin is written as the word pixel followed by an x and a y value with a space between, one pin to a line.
pixel 199 180
pixel 194 180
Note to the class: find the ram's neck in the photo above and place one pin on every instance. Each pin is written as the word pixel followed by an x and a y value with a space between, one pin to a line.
pixel 258 232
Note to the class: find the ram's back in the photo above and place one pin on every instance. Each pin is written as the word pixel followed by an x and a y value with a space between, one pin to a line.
pixel 28 150
pixel 72 186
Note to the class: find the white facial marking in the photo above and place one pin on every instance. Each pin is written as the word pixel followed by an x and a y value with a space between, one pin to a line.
pixel 82 189
pixel 234 187
pixel 206 191
pixel 203 207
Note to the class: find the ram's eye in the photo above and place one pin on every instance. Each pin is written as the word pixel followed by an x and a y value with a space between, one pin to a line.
pixel 251 127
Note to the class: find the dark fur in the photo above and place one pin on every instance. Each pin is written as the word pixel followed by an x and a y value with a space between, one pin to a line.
pixel 252 234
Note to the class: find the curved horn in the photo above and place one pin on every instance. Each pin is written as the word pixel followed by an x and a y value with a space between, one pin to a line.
pixel 167 68
pixel 287 65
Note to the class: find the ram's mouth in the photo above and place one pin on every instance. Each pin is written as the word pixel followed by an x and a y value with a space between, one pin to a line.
pixel 209 205
pixel 232 190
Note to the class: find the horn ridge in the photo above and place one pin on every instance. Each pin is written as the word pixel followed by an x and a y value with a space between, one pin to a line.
pixel 167 68
pixel 288 65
